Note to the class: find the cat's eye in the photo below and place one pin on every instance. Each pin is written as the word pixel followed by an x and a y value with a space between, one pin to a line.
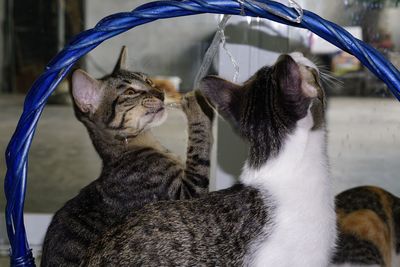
pixel 309 68
pixel 130 91
pixel 313 71
pixel 149 82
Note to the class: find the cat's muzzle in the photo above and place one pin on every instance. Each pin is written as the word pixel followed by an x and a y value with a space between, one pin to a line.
pixel 153 105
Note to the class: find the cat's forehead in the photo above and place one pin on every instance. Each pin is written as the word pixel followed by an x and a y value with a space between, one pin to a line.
pixel 128 76
pixel 123 79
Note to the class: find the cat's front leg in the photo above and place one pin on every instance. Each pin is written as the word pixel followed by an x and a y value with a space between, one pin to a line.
pixel 200 116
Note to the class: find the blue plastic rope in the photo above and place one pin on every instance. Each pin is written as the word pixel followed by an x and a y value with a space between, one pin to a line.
pixel 57 69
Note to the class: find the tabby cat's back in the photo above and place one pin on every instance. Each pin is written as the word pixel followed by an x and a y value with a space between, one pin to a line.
pixel 282 214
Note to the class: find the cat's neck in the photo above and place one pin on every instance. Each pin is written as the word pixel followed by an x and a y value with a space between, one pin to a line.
pixel 144 139
pixel 112 147
pixel 298 171
pixel 302 153
pixel 296 182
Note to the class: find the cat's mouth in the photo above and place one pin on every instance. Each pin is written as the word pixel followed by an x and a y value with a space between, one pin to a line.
pixel 156 116
pixel 155 111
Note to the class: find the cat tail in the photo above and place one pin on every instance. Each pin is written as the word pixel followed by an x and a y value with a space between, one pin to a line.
pixel 396 225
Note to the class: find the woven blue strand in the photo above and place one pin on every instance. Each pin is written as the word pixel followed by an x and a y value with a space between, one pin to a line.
pixel 58 68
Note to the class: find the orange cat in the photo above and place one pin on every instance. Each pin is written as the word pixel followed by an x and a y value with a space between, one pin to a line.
pixel 369 228
pixel 171 94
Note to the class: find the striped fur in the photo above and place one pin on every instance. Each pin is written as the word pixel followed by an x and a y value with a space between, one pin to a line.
pixel 282 214
pixel 369 228
pixel 136 170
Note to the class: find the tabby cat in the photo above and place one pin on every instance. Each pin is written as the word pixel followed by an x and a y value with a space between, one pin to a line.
pixel 369 228
pixel 118 112
pixel 282 212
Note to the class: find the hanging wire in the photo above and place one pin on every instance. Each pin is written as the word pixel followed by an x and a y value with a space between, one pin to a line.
pixel 219 38
pixel 231 57
pixel 293 4
pixel 242 12
pixel 18 148
pixel 298 9
pixel 211 51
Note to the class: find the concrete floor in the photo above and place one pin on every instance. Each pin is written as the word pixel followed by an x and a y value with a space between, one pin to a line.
pixel 364 143
pixel 364 148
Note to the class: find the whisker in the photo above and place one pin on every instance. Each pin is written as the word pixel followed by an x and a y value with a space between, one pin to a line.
pixel 325 73
pixel 318 63
pixel 315 60
pixel 329 76
pixel 331 81
pixel 174 105
pixel 321 67
pixel 324 68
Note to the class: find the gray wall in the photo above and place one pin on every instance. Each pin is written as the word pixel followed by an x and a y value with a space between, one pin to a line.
pixel 171 47
pixel 375 20
pixel 331 10
pixel 389 21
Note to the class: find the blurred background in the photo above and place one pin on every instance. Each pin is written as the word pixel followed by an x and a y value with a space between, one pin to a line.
pixel 363 117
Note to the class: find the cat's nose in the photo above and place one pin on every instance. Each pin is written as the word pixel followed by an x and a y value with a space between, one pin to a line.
pixel 157 93
pixel 285 58
pixel 295 55
pixel 302 60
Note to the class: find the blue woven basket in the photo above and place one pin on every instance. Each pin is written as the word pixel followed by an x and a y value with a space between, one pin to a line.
pixel 57 69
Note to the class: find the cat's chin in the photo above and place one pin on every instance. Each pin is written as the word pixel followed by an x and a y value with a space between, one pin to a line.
pixel 158 117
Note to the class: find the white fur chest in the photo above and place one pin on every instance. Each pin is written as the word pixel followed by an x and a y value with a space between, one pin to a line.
pixel 304 221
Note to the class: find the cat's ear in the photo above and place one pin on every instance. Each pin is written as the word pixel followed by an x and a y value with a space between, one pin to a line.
pixel 224 95
pixel 122 63
pixel 86 91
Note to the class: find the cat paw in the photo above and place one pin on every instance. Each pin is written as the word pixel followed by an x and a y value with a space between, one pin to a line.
pixel 196 107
